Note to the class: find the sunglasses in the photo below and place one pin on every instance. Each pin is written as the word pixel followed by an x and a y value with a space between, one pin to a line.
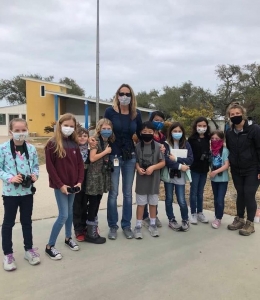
pixel 124 94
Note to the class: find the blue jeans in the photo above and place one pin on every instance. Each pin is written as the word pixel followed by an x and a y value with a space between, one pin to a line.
pixel 128 171
pixel 219 191
pixel 65 206
pixel 180 195
pixel 196 191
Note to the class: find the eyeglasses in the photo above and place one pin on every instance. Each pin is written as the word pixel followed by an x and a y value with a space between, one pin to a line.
pixel 124 94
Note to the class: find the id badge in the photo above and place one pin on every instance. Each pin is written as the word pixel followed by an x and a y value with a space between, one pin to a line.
pixel 116 162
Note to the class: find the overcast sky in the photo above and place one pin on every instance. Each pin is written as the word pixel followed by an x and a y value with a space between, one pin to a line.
pixel 146 43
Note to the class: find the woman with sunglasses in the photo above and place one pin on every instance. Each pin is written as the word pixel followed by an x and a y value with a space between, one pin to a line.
pixel 126 120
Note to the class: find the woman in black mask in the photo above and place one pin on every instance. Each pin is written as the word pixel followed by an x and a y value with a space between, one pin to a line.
pixel 243 143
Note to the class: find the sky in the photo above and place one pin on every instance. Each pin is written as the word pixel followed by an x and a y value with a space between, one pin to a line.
pixel 145 43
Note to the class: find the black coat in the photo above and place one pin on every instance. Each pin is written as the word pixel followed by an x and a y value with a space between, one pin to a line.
pixel 244 149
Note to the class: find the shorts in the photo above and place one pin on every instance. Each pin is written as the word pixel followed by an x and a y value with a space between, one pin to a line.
pixel 147 199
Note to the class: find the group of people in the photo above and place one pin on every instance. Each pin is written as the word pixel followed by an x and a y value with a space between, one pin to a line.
pixel 82 168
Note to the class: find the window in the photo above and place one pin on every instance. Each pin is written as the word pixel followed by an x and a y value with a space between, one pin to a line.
pixel 2 119
pixel 11 117
pixel 42 91
pixel 24 117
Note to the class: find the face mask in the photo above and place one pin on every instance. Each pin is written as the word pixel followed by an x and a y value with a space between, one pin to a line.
pixel 216 145
pixel 147 137
pixel 177 135
pixel 236 120
pixel 124 100
pixel 67 131
pixel 201 130
pixel 158 125
pixel 18 136
pixel 106 133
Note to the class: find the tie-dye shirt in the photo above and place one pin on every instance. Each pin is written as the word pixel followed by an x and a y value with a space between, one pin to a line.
pixel 8 168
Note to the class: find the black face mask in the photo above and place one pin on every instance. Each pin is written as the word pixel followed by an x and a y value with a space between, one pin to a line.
pixel 147 137
pixel 236 120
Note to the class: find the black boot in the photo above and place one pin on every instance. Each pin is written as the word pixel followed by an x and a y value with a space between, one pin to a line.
pixel 92 235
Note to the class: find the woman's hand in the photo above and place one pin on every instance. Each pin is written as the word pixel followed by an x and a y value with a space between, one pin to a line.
pixel 172 157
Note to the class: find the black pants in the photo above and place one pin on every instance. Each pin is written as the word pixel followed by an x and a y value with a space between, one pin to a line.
pixel 94 202
pixel 80 208
pixel 246 187
pixel 11 204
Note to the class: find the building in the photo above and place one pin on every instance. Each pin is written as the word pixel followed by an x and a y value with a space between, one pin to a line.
pixel 46 101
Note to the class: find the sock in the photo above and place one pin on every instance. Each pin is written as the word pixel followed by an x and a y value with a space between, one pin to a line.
pixel 138 223
pixel 152 221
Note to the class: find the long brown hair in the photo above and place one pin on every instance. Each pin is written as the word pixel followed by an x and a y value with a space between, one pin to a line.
pixel 170 140
pixel 133 103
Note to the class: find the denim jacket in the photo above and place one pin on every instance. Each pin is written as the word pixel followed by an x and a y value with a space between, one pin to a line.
pixel 8 168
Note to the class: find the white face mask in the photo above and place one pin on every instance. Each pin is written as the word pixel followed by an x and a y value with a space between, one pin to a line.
pixel 124 100
pixel 20 136
pixel 201 130
pixel 67 131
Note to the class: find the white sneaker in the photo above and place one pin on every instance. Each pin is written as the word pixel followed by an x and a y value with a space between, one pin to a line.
pixel 194 219
pixel 153 230
pixel 9 262
pixel 202 218
pixel 138 233
pixel 32 256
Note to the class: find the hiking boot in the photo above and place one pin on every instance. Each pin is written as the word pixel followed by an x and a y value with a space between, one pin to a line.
pixel 146 222
pixel 194 219
pixel 173 224
pixel 71 244
pixel 9 262
pixel 32 256
pixel 185 225
pixel 92 235
pixel 202 218
pixel 238 223
pixel 216 223
pixel 128 233
pixel 112 234
pixel 53 253
pixel 247 229
pixel 158 222
pixel 138 233
pixel 153 230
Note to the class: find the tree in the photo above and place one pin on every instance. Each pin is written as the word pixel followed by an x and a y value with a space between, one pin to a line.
pixel 14 90
pixel 147 100
pixel 76 89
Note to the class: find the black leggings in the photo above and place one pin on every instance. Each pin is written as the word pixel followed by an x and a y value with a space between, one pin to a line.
pixel 246 187
pixel 93 206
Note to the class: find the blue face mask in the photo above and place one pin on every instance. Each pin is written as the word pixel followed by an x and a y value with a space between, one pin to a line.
pixel 158 125
pixel 106 133
pixel 177 135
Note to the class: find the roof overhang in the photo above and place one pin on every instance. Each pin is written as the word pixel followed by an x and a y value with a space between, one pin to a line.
pixel 46 82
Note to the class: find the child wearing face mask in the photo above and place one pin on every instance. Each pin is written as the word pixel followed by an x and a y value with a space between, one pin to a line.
pixel 199 141
pixel 98 177
pixel 66 173
pixel 219 174
pixel 19 169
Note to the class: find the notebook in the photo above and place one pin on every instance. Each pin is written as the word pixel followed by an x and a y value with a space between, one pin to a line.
pixel 180 152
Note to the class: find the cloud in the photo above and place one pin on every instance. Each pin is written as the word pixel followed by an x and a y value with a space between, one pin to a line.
pixel 147 43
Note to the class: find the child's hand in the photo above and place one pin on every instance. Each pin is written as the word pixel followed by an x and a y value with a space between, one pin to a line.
pixel 92 142
pixel 108 149
pixel 17 179
pixel 78 185
pixel 34 177
pixel 149 170
pixel 63 189
pixel 141 171
pixel 162 148
pixel 184 168
pixel 212 174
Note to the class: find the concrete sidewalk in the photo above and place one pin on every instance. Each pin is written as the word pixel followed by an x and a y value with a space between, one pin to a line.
pixel 202 263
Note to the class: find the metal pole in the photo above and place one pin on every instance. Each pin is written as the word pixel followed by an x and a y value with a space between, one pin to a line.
pixel 97 65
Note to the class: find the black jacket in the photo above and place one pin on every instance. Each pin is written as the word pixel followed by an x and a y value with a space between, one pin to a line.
pixel 244 149
pixel 201 153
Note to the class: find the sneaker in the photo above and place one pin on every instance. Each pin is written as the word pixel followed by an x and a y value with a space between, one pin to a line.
pixel 202 218
pixel 216 223
pixel 128 233
pixel 238 223
pixel 53 253
pixel 112 234
pixel 194 219
pixel 9 262
pixel 173 224
pixel 71 244
pixel 247 229
pixel 158 222
pixel 146 222
pixel 153 230
pixel 185 225
pixel 32 256
pixel 80 237
pixel 138 233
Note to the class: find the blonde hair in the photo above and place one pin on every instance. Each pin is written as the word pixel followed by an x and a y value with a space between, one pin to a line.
pixel 238 106
pixel 133 103
pixel 16 120
pixel 58 136
pixel 100 123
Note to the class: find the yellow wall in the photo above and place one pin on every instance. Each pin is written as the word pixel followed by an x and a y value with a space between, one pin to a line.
pixel 37 105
